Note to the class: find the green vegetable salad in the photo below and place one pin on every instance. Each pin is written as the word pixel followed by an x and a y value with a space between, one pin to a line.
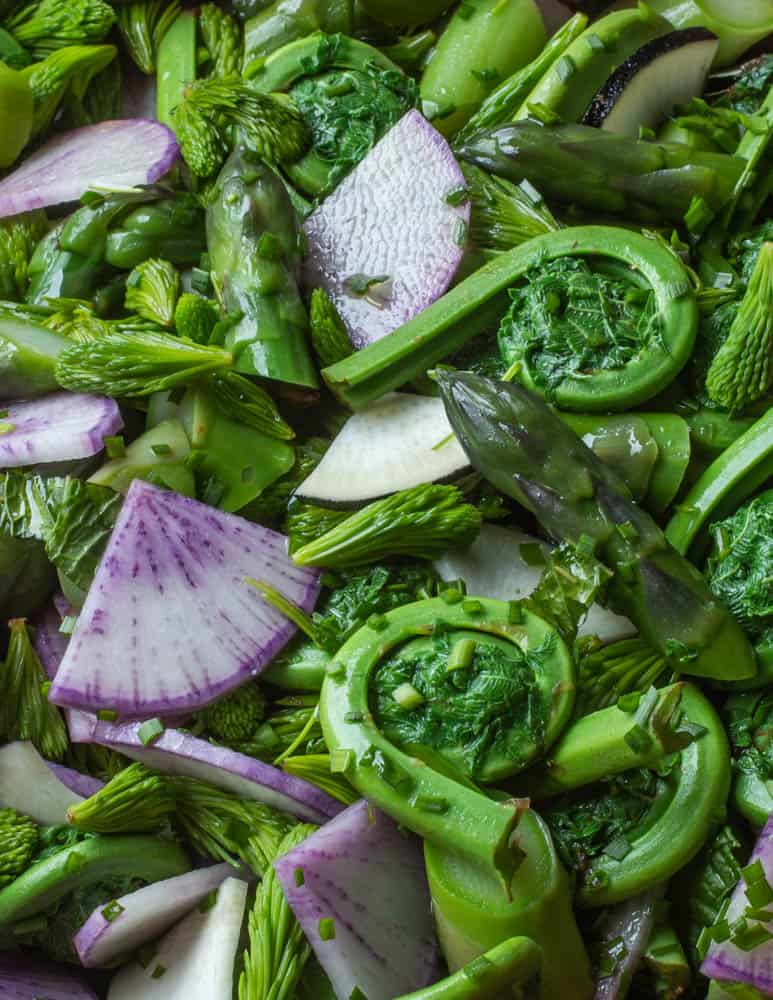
pixel 386 500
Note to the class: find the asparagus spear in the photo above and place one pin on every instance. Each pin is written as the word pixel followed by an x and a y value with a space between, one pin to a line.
pixel 520 445
pixel 253 239
pixel 604 171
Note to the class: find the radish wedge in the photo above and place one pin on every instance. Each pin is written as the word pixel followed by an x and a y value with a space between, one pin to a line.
pixel 110 155
pixel 171 621
pixel 49 642
pixel 196 959
pixel 398 442
pixel 56 428
pixel 507 565
pixel 362 879
pixel 143 915
pixel 23 977
pixel 176 752
pixel 387 243
pixel 83 785
pixel 28 785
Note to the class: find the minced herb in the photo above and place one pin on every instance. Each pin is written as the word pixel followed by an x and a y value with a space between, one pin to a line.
pixel 567 319
pixel 476 706
pixel 586 823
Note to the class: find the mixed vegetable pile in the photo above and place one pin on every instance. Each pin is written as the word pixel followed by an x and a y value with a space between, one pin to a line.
pixel 386 500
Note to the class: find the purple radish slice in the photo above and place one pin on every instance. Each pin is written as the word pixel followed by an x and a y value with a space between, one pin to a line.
pixel 171 621
pixel 387 243
pixel 111 155
pixel 631 923
pixel 196 959
pixel 726 961
pixel 56 428
pixel 28 785
pixel 141 916
pixel 176 752
pixel 83 785
pixel 27 977
pixel 49 642
pixel 358 889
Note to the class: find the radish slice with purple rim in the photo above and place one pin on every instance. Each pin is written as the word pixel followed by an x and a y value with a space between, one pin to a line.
pixel 196 960
pixel 172 620
pixel 49 642
pixel 83 785
pixel 56 428
pixel 126 923
pixel 23 977
pixel 30 786
pixel 179 753
pixel 726 961
pixel 388 242
pixel 359 891
pixel 111 155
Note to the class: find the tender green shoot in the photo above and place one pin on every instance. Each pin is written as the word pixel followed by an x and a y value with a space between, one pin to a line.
pixel 195 317
pixel 278 949
pixel 19 235
pixel 235 718
pixel 226 828
pixel 135 801
pixel 152 290
pixel 248 403
pixel 143 24
pixel 421 522
pixel 63 72
pixel 137 364
pixel 609 673
pixel 44 27
pixel 25 711
pixel 18 844
pixel 269 126
pixel 223 40
pixel 316 769
pixel 742 370
pixel 504 214
pixel 328 334
pixel 306 523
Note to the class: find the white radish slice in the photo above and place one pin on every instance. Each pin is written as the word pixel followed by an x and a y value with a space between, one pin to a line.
pixel 398 442
pixel 176 752
pixel 171 621
pixel 387 243
pixel 56 428
pixel 113 154
pixel 27 977
pixel 507 565
pixel 143 915
pixel 28 785
pixel 366 876
pixel 195 960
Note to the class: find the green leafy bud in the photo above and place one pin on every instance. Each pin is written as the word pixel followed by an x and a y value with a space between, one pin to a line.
pixel 143 24
pixel 18 843
pixel 234 718
pixel 134 801
pixel 195 317
pixel 223 39
pixel 152 290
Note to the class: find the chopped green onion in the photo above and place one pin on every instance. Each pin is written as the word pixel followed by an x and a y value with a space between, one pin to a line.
pixel 407 696
pixel 150 731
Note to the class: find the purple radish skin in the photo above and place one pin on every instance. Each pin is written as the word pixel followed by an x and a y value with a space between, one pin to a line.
pixel 144 915
pixel 113 155
pixel 366 876
pixel 57 428
pixel 23 977
pixel 171 622
pixel 175 752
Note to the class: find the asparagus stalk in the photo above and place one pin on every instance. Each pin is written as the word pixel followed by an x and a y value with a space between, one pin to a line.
pixel 606 172
pixel 518 443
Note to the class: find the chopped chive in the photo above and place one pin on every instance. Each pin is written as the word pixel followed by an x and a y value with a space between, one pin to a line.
pixel 68 624
pixel 407 696
pixel 150 731
pixel 377 622
pixel 514 612
pixel 459 196
pixel 472 607
pixel 112 910
pixel 451 595
pixel 327 929
pixel 74 863
pixel 432 803
pixel 638 739
pixel 618 848
pixel 354 717
pixel 161 449
pixel 341 760
pixel 298 877
pixel 106 715
pixel 158 972
pixel 6 427
pixel 114 446
pixel 461 655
